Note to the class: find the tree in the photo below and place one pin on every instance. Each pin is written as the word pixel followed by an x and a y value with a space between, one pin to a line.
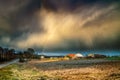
pixel 12 53
pixel 6 53
pixel 1 53
pixel 31 52
pixel 21 57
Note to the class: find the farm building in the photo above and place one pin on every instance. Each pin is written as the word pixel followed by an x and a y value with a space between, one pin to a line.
pixel 75 56
pixel 79 55
pixel 96 56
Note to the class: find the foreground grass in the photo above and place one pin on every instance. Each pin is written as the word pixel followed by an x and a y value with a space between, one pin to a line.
pixel 63 70
pixel 22 72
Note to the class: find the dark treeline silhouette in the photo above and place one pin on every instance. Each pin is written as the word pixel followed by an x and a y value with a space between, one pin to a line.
pixel 27 55
pixel 7 54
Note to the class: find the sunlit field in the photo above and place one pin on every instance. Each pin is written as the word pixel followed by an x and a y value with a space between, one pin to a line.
pixel 24 72
pixel 93 69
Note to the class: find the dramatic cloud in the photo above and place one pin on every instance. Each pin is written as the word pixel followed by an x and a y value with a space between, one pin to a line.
pixel 62 25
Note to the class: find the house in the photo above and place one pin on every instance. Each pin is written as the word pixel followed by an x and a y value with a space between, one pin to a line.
pixel 42 56
pixel 96 56
pixel 71 56
pixel 79 55
pixel 75 56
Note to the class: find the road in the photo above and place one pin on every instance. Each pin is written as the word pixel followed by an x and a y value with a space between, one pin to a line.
pixel 8 63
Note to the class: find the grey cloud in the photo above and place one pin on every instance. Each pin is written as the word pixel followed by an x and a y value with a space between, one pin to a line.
pixel 33 20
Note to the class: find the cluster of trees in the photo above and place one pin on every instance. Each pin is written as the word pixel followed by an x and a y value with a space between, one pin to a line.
pixel 26 55
pixel 7 54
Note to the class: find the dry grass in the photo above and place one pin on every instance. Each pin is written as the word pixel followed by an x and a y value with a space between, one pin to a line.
pixel 81 69
pixel 96 69
pixel 24 72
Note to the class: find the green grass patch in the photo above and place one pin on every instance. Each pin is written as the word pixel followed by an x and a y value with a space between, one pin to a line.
pixel 23 72
pixel 6 73
pixel 113 58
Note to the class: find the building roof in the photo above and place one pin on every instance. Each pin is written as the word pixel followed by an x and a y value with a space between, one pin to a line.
pixel 71 55
pixel 79 55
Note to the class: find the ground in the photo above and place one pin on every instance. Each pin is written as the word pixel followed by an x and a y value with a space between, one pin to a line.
pixel 96 69
pixel 88 69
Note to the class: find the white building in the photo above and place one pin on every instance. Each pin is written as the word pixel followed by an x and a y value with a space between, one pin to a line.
pixel 79 55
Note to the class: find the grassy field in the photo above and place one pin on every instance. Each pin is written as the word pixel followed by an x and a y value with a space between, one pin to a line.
pixel 96 69
pixel 93 69
pixel 23 72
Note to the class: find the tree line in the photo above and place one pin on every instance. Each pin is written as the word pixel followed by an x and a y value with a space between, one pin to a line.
pixel 7 54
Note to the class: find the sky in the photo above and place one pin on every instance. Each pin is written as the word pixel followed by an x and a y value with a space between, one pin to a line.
pixel 60 25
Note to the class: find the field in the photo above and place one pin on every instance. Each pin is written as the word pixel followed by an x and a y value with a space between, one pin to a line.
pixel 96 69
pixel 93 69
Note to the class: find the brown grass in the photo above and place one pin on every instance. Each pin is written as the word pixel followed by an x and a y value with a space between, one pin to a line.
pixel 80 69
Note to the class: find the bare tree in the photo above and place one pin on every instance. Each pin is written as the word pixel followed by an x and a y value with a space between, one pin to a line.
pixel 1 54
pixel 31 52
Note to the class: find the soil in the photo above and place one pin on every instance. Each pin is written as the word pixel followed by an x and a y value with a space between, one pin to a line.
pixel 96 69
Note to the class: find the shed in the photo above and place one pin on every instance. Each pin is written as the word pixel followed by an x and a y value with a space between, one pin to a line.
pixel 79 55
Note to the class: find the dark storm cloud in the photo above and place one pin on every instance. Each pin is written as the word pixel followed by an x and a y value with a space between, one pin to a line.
pixel 25 19
pixel 18 16
pixel 33 23
pixel 71 5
